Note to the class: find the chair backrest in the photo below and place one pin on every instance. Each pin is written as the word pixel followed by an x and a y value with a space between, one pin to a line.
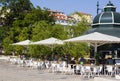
pixel 82 68
pixel 109 68
pixel 78 67
pixel 99 68
pixel 117 61
pixel 87 68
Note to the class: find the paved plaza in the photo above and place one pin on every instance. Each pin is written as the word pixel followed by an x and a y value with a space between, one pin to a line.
pixel 10 72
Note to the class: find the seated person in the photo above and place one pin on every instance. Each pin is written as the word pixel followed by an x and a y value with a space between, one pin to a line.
pixel 72 62
pixel 82 61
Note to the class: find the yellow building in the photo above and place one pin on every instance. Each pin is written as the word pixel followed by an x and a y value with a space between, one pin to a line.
pixel 78 16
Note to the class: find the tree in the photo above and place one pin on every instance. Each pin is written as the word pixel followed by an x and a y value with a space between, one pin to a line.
pixel 23 34
pixel 2 33
pixel 18 9
pixel 77 49
pixel 7 48
pixel 37 15
pixel 41 30
pixel 26 22
pixel 58 31
pixel 81 27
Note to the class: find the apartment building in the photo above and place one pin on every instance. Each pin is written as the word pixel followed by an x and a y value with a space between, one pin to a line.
pixel 78 16
pixel 63 19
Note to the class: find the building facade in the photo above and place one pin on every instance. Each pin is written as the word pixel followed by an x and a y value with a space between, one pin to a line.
pixel 61 18
pixel 78 16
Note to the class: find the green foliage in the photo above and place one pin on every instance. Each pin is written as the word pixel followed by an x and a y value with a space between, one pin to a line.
pixel 37 15
pixel 26 22
pixel 80 28
pixel 15 9
pixel 23 34
pixel 40 31
pixel 37 51
pixel 58 32
pixel 76 49
pixel 6 45
pixel 2 33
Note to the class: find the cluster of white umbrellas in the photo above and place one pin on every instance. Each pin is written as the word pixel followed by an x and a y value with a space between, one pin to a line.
pixel 49 41
pixel 95 39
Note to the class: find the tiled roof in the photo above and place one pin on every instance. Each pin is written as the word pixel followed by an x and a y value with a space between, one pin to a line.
pixel 85 13
pixel 55 11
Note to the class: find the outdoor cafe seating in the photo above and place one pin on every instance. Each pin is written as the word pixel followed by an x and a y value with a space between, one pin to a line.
pixel 62 67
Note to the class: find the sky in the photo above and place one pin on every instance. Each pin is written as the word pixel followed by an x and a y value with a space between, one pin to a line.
pixel 71 6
